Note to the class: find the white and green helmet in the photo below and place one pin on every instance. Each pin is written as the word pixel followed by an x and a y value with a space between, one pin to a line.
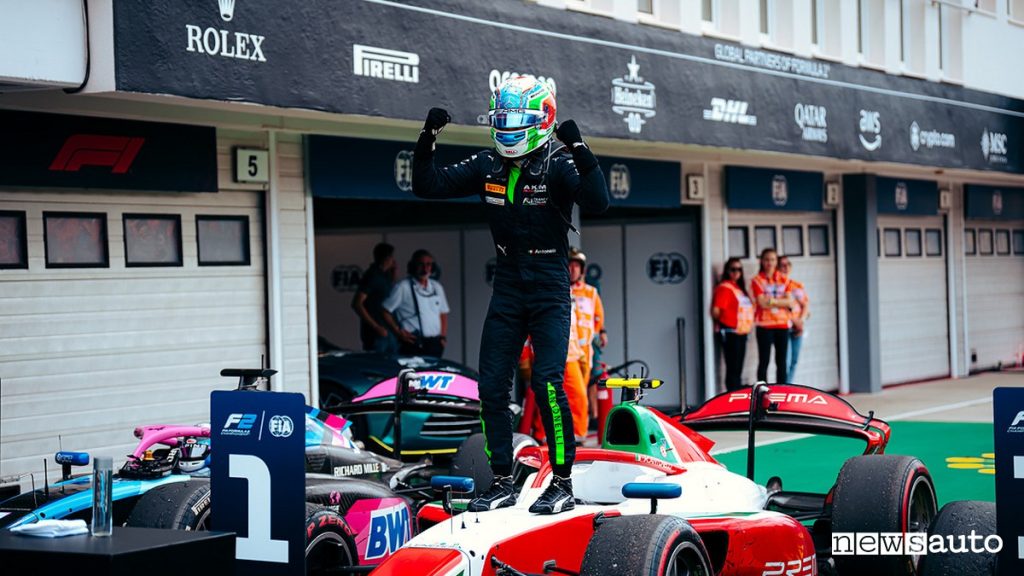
pixel 522 116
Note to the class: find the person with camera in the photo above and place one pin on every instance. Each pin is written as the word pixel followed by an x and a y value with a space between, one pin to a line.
pixel 416 311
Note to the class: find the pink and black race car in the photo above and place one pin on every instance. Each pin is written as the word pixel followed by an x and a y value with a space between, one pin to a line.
pixel 653 501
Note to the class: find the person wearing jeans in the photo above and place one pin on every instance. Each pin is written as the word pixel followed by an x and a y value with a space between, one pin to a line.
pixel 771 316
pixel 734 313
pixel 800 312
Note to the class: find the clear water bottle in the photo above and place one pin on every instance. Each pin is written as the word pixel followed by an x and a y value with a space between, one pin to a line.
pixel 102 496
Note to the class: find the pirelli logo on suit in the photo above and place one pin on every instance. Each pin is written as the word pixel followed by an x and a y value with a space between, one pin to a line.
pixel 498 189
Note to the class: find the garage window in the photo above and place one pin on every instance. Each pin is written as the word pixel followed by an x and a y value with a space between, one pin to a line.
pixel 1018 242
pixel 933 242
pixel 913 237
pixel 764 237
pixel 76 240
pixel 985 242
pixel 223 240
pixel 1003 242
pixel 893 246
pixel 739 246
pixel 970 248
pixel 152 240
pixel 13 241
pixel 792 241
pixel 817 240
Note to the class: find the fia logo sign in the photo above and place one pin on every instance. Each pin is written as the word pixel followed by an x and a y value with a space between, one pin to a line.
pixel 902 198
pixel 667 268
pixel 403 170
pixel 281 426
pixel 389 530
pixel 345 278
pixel 618 181
pixel 633 98
pixel 780 190
pixel 870 125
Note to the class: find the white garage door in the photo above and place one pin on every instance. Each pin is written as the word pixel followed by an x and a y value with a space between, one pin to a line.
pixel 807 239
pixel 913 308
pixel 90 353
pixel 995 293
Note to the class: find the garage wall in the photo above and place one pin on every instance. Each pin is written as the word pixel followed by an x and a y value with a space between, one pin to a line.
pixel 995 295
pixel 88 354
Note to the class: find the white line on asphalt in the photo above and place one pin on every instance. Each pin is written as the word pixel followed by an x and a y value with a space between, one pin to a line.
pixel 900 416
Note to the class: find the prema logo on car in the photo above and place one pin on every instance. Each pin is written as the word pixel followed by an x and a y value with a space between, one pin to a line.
pixel 794 397
pixel 993 146
pixel 633 98
pixel 730 112
pixel 812 120
pixel 870 130
pixel 385 64
pixel 224 43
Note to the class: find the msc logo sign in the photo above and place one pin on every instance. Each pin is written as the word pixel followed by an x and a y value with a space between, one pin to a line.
pixel 238 424
pixel 389 530
pixel 435 381
pixel 670 268
pixel 115 152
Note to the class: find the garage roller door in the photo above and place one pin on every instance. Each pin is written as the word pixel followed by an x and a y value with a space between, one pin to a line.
pixel 914 325
pixel 995 293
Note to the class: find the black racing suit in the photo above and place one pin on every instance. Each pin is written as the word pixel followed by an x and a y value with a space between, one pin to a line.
pixel 530 227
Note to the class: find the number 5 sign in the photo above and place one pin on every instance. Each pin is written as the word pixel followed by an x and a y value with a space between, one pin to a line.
pixel 258 478
pixel 252 166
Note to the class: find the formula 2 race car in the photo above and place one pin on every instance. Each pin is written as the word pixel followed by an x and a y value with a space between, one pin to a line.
pixel 653 501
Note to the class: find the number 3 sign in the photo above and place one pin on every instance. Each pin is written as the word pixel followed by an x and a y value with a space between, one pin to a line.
pixel 258 478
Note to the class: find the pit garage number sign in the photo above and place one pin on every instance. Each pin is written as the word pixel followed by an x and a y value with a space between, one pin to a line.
pixel 258 478
pixel 252 166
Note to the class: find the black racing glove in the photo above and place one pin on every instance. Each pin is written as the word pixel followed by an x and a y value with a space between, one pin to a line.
pixel 569 133
pixel 437 118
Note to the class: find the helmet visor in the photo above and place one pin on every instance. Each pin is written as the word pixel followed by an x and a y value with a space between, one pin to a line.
pixel 516 119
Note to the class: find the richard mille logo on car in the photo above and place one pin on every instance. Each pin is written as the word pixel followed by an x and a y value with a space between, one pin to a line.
pixel 633 98
pixel 780 190
pixel 930 138
pixel 730 111
pixel 360 469
pixel 403 170
pixel 870 130
pixel 385 64
pixel 812 122
pixel 217 42
pixel 993 147
pixel 618 181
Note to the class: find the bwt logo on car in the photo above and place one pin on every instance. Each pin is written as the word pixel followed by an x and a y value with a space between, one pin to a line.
pixel 389 530
pixel 436 381
pixel 238 424
pixel 671 268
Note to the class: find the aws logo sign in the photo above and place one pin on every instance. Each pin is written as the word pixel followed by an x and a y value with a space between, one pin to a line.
pixel 389 530
pixel 435 381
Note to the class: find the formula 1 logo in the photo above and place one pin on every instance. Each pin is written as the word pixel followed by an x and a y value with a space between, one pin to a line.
pixel 1015 427
pixel 435 381
pixel 667 268
pixel 117 152
pixel 238 424
pixel 389 530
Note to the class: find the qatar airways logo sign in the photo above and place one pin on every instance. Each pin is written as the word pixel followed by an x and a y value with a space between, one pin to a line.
pixel 225 43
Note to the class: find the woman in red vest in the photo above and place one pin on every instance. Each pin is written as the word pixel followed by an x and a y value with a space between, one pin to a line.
pixel 771 290
pixel 734 313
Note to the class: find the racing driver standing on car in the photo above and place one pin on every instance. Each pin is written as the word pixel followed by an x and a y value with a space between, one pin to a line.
pixel 528 185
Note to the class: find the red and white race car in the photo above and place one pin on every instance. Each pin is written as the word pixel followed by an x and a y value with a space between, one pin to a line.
pixel 653 501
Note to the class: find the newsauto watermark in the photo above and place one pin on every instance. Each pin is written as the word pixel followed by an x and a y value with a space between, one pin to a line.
pixel 912 544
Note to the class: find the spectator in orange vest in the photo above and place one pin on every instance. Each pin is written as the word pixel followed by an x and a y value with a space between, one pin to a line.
pixel 773 301
pixel 734 313
pixel 589 320
pixel 800 312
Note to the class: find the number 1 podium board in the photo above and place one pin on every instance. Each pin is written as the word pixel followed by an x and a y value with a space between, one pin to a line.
pixel 258 478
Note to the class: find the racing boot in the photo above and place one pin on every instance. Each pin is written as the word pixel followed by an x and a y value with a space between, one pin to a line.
pixel 501 494
pixel 557 497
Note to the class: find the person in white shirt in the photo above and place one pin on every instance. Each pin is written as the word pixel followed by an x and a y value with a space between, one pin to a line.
pixel 417 310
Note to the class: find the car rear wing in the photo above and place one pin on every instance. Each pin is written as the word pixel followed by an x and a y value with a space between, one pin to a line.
pixel 788 408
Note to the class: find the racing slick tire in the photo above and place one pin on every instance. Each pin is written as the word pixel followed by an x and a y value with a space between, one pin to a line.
pixel 174 506
pixel 471 458
pixel 959 519
pixel 328 544
pixel 882 493
pixel 648 545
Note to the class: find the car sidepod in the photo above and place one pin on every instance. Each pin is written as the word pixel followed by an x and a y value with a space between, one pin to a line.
pixel 757 544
